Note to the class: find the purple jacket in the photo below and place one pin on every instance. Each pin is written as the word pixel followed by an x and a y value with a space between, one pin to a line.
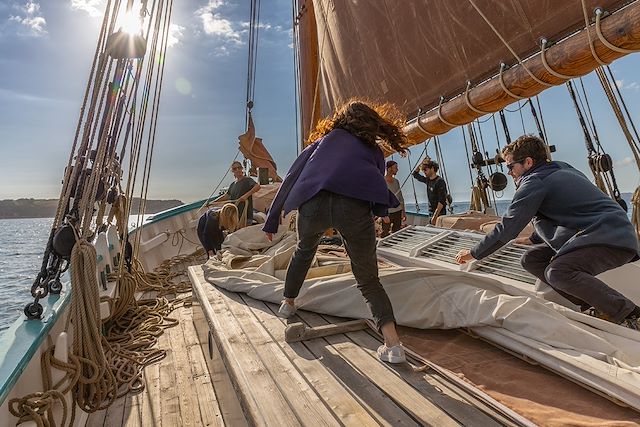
pixel 340 163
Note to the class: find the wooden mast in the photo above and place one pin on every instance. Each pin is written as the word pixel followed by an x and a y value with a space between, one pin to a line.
pixel 571 57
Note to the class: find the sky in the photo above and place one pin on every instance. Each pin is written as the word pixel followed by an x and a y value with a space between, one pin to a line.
pixel 46 48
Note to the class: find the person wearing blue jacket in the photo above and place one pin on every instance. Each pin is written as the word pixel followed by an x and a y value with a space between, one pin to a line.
pixel 580 232
pixel 338 182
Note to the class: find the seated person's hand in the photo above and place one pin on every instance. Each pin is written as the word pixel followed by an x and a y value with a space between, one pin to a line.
pixel 464 256
pixel 523 241
pixel 386 219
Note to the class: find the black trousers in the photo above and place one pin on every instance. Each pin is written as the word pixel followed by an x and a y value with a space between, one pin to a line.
pixel 394 225
pixel 354 221
pixel 572 275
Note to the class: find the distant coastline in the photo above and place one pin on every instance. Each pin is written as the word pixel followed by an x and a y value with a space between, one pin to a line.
pixel 46 208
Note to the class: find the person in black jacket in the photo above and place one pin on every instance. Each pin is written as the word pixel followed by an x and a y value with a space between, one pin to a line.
pixel 436 188
pixel 211 226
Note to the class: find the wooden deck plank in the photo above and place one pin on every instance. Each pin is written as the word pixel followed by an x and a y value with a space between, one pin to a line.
pixel 96 419
pixel 347 408
pixel 259 394
pixel 228 401
pixel 133 410
pixel 370 397
pixel 151 411
pixel 440 395
pixel 394 387
pixel 206 410
pixel 310 409
pixel 169 400
pixel 187 399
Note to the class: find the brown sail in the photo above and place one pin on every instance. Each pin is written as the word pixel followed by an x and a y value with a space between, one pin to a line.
pixel 423 50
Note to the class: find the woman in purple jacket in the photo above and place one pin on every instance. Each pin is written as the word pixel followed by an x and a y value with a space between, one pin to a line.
pixel 338 182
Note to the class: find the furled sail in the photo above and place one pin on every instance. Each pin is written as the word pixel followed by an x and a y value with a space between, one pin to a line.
pixel 254 150
pixel 415 53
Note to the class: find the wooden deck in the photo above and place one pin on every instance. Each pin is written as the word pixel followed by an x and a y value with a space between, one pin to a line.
pixel 179 390
pixel 228 364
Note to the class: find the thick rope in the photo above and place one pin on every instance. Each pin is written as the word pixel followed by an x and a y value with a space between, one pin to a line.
pixel 37 407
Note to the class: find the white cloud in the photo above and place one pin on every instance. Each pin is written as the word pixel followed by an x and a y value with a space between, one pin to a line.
pixel 31 22
pixel 227 33
pixel 176 32
pixel 94 8
pixel 635 86
pixel 625 162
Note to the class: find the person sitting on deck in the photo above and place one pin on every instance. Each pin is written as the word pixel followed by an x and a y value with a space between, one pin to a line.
pixel 211 225
pixel 436 188
pixel 579 231
pixel 396 215
pixel 337 182
pixel 240 192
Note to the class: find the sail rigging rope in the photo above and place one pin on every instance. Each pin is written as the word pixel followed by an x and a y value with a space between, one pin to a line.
pixel 587 26
pixel 634 144
pixel 513 52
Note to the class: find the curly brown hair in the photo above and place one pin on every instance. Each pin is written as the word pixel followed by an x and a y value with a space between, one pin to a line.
pixel 371 122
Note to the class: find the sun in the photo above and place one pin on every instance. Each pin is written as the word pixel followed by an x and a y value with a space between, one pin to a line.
pixel 130 23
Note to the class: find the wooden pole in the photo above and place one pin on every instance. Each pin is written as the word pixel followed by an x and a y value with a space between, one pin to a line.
pixel 571 57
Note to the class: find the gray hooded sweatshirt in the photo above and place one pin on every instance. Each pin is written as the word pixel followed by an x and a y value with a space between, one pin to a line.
pixel 568 213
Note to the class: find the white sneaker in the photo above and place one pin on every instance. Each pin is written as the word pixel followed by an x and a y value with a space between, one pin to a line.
pixel 393 354
pixel 286 310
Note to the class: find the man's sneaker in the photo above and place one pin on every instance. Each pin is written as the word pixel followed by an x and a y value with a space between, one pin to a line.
pixel 631 322
pixel 393 354
pixel 286 310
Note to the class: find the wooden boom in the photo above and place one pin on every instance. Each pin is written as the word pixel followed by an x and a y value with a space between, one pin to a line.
pixel 571 56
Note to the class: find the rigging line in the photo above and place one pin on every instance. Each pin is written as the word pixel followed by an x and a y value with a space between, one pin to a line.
pixel 505 127
pixel 624 104
pixel 413 184
pixel 596 136
pixel 544 128
pixel 66 187
pixel 137 145
pixel 296 75
pixel 537 122
pixel 599 12
pixel 585 130
pixel 513 52
pixel 320 60
pixel 495 128
pixel 524 129
pixel 615 106
pixel 515 110
pixel 157 71
pixel 587 26
pixel 411 168
pixel 466 149
pixel 157 98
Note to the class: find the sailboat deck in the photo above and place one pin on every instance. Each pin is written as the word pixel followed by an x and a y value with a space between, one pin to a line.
pixel 178 390
pixel 227 364
pixel 336 380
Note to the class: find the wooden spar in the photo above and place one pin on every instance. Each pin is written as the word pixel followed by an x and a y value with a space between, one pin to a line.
pixel 571 57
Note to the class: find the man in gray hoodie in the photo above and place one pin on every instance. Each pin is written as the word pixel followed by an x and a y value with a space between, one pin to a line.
pixel 580 232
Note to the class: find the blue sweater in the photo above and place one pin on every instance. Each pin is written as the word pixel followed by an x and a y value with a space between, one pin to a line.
pixel 568 213
pixel 340 163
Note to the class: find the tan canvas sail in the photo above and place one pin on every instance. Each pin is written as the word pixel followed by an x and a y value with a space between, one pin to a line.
pixel 414 52
pixel 253 149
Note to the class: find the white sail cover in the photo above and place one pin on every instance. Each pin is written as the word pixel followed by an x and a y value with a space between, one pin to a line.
pixel 596 353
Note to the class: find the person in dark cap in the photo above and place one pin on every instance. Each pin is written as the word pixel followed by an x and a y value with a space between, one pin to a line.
pixel 397 214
